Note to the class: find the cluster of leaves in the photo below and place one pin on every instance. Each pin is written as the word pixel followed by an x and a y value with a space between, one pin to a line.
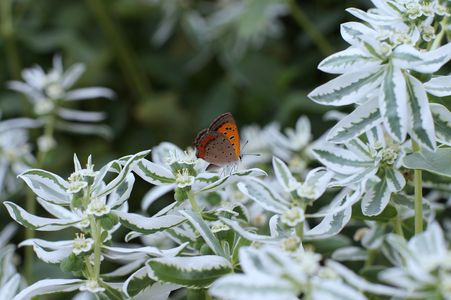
pixel 275 226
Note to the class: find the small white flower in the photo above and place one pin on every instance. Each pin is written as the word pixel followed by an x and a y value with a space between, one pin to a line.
pixel 183 178
pixel 413 10
pixel 387 156
pixel 46 143
pixel 259 220
pixel 306 191
pixel 98 207
pixel 76 184
pixel 309 262
pixel 291 244
pixel 43 106
pixel 218 226
pixel 293 216
pixel 427 33
pixel 428 10
pixel 92 286
pixel 92 258
pixel 81 244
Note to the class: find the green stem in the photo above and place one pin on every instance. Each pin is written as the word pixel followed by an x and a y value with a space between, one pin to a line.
pixel 304 22
pixel 397 224
pixel 96 236
pixel 418 182
pixel 134 76
pixel 7 32
pixel 300 230
pixel 372 254
pixel 193 202
pixel 438 39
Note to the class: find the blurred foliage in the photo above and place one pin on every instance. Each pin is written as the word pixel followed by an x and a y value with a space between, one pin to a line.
pixel 174 64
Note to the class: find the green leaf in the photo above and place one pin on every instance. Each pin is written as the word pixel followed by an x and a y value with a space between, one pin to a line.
pixel 108 221
pixel 72 263
pixel 137 282
pixel 193 272
pixel 386 215
pixel 436 162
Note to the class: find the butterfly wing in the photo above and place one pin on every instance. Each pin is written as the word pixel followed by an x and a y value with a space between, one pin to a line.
pixel 215 148
pixel 225 124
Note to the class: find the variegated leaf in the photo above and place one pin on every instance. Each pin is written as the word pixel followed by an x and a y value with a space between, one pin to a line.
pixel 393 102
pixel 348 88
pixel 154 173
pixel 439 86
pixel 259 192
pixel 349 60
pixel 436 162
pixel 28 220
pixel 376 198
pixel 148 225
pixel 340 160
pixel 49 286
pixel 284 176
pixel 442 122
pixel 48 186
pixel 195 272
pixel 422 124
pixel 362 119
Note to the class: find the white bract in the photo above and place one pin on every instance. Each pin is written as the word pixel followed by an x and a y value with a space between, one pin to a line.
pixel 48 92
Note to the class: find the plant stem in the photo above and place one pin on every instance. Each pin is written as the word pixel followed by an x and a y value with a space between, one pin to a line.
pixel 300 230
pixel 397 224
pixel 304 22
pixel 438 39
pixel 134 76
pixel 96 236
pixel 193 202
pixel 418 182
pixel 372 253
pixel 7 32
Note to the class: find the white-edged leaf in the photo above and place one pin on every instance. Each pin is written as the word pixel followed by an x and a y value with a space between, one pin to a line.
pixel 46 185
pixel 404 56
pixel 442 122
pixel 433 60
pixel 158 291
pixel 125 269
pixel 154 194
pixel 116 253
pixel 350 253
pixel 393 102
pixel 324 289
pixel 341 160
pixel 122 192
pixel 89 93
pixel 422 124
pixel 203 229
pixel 284 176
pixel 348 88
pixel 250 236
pixel 376 198
pixel 356 33
pixel 113 184
pixel 49 286
pixel 374 18
pixel 101 130
pixel 349 60
pixel 138 281
pixel 316 181
pixel 331 225
pixel 395 179
pixel 439 86
pixel 49 252
pixel 28 220
pixel 58 211
pixel 362 119
pixel 198 271
pixel 9 288
pixel 436 162
pixel 259 192
pixel 148 225
pixel 257 287
pixel 364 285
pixel 153 173
pixel 234 177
